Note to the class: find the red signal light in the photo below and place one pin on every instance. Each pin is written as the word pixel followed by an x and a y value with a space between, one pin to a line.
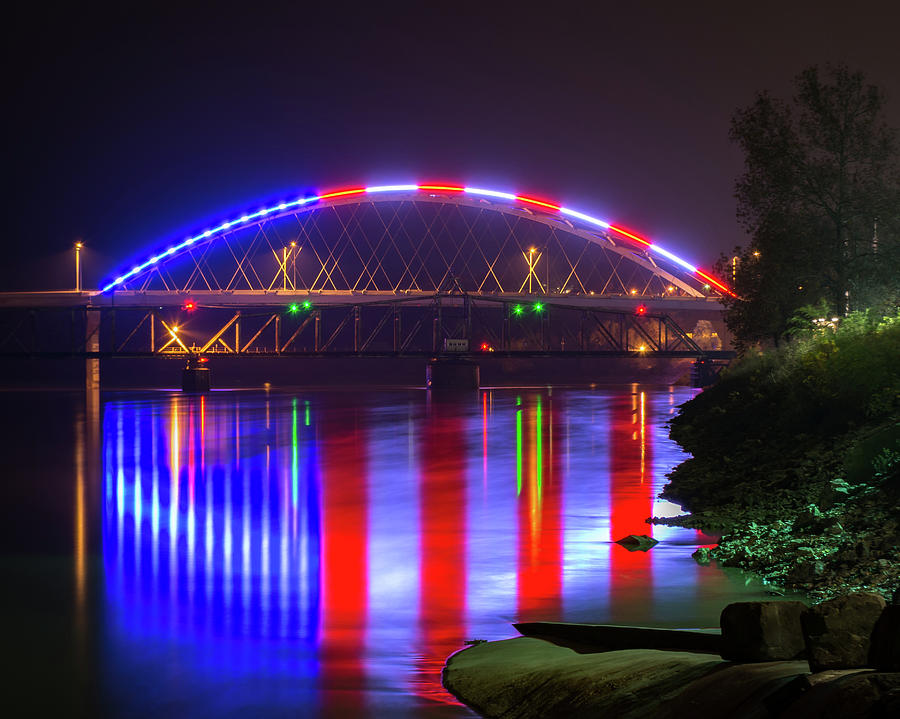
pixel 189 306
pixel 640 310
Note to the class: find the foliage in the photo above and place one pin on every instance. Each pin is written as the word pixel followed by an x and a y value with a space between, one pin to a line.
pixel 820 198
pixel 773 414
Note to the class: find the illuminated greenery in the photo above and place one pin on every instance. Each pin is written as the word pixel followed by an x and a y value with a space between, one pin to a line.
pixel 796 457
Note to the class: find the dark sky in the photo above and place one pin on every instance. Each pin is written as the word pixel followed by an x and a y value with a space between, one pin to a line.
pixel 134 126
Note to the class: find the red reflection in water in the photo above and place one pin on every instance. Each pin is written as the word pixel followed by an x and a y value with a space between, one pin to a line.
pixel 630 462
pixel 344 563
pixel 540 529
pixel 443 540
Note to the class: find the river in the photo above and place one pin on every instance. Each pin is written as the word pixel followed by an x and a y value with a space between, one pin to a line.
pixel 321 553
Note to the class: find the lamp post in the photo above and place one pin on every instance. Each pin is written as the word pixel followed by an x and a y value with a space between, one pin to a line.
pixel 78 246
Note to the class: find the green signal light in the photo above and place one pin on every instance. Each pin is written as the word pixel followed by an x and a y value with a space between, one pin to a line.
pixel 537 307
pixel 294 308
pixel 517 309
pixel 307 304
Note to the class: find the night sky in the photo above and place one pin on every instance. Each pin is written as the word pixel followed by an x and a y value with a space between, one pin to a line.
pixel 132 127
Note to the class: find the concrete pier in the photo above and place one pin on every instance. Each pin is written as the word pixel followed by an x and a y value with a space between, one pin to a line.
pixel 443 373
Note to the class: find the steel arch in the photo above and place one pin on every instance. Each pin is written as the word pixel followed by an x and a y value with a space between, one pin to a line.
pixel 664 267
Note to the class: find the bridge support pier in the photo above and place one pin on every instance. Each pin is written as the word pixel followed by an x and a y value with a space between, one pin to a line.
pixel 451 374
pixel 703 373
pixel 194 378
pixel 92 344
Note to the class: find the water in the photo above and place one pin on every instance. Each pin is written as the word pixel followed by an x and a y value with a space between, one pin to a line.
pixel 322 553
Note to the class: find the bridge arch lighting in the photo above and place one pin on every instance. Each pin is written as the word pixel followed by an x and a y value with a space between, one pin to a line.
pixel 529 204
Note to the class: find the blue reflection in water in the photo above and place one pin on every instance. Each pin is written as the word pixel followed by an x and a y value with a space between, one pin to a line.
pixel 323 554
pixel 211 542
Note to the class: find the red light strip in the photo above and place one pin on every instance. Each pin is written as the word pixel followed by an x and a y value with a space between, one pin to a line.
pixel 628 234
pixel 445 188
pixel 532 201
pixel 715 282
pixel 341 193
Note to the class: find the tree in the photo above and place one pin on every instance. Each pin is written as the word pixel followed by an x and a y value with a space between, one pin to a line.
pixel 820 199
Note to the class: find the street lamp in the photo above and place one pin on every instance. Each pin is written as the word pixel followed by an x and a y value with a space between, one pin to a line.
pixel 78 246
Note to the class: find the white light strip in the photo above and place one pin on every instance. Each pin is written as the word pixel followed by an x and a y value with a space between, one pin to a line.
pixel 489 193
pixel 674 258
pixel 582 216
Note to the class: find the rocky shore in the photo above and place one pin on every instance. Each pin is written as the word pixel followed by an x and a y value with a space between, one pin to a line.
pixel 839 658
pixel 796 462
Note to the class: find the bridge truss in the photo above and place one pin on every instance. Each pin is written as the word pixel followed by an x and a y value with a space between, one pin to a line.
pixel 402 326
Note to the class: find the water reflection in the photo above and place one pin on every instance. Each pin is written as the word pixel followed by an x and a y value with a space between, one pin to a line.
pixel 324 553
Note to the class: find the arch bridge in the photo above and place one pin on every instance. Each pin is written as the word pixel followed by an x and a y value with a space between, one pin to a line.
pixel 390 270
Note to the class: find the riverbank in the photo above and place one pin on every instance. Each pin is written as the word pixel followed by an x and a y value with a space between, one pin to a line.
pixel 796 462
pixel 527 677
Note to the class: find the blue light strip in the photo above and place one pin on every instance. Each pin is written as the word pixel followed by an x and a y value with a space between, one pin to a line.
pixel 301 201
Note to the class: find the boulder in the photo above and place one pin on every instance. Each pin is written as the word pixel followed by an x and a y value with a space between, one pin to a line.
pixel 838 632
pixel 701 556
pixel 637 542
pixel 884 652
pixel 762 631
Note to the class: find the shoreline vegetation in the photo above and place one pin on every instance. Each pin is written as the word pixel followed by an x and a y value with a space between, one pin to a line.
pixel 796 460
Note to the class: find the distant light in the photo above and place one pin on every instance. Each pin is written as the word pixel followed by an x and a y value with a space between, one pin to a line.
pixel 640 310
pixel 537 307
pixel 79 245
pixel 518 309
pixel 642 348
pixel 293 243
pixel 307 304
pixel 293 308
pixel 633 291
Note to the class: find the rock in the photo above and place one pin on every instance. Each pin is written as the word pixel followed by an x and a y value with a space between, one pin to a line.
pixel 701 556
pixel 762 631
pixel 637 542
pixel 527 678
pixel 855 694
pixel 838 632
pixel 884 652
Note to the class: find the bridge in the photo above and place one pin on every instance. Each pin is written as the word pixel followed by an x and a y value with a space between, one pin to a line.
pixel 392 270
